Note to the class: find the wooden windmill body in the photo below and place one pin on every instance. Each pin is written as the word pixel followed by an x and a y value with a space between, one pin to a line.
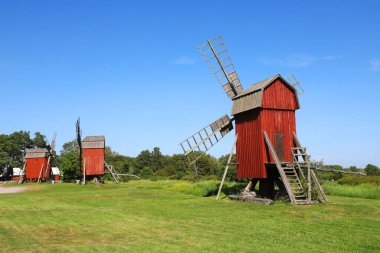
pixel 267 148
pixel 38 163
pixel 92 157
pixel 93 148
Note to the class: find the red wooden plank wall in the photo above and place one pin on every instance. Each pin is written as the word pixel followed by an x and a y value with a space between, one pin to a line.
pixel 94 158
pixel 279 96
pixel 33 168
pixel 249 146
pixel 279 121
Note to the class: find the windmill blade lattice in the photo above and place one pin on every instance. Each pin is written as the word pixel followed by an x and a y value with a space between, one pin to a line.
pixel 219 61
pixel 197 144
pixel 292 80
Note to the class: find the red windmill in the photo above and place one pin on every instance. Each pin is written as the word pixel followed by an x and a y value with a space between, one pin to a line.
pixel 38 163
pixel 91 157
pixel 267 148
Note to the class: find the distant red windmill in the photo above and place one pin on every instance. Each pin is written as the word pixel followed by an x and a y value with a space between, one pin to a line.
pixel 38 163
pixel 267 148
pixel 91 156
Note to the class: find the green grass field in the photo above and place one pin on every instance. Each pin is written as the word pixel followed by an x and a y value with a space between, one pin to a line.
pixel 170 216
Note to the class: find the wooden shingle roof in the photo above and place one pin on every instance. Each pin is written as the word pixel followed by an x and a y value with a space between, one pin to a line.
pixel 252 97
pixel 37 153
pixel 93 142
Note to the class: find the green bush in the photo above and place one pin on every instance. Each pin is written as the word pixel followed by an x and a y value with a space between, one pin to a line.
pixel 70 166
pixel 146 172
pixel 372 170
pixel 357 180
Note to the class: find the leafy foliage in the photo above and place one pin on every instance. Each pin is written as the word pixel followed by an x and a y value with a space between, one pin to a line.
pixel 69 146
pixel 70 166
pixel 13 147
pixel 39 140
pixel 372 170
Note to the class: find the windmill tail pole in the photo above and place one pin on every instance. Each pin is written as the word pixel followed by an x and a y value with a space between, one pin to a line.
pixel 341 171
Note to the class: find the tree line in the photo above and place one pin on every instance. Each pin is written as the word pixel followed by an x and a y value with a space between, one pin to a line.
pixel 150 164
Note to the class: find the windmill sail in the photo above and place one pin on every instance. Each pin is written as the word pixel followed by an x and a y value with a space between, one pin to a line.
pixel 292 80
pixel 220 63
pixel 53 141
pixel 197 144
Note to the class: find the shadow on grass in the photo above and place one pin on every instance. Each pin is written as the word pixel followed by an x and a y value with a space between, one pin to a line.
pixel 227 189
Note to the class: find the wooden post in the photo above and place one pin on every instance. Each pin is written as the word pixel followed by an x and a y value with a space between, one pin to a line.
pixel 22 173
pixel 308 181
pixel 319 187
pixel 226 169
pixel 84 172
pixel 47 167
pixel 39 177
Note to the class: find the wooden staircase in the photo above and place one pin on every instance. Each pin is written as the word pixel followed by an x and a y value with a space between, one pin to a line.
pixel 291 172
pixel 304 164
pixel 295 183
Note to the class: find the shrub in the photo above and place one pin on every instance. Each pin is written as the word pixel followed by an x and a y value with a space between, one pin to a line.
pixel 146 172
pixel 357 180
pixel 70 166
pixel 372 170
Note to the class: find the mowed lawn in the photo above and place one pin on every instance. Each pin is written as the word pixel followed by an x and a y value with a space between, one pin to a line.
pixel 143 216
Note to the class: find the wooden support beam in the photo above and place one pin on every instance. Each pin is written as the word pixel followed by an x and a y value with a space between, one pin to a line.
pixel 84 171
pixel 341 171
pixel 39 176
pixel 226 169
pixel 319 187
pixel 21 179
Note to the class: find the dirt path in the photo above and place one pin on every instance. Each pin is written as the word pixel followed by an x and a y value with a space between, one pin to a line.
pixel 16 189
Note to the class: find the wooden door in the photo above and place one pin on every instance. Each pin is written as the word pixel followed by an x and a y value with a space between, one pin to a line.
pixel 279 146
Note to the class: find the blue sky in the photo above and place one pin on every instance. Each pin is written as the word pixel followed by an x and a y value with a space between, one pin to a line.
pixel 132 72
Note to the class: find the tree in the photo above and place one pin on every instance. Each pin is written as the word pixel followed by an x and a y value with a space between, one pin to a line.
pixel 179 162
pixel 70 166
pixel 207 165
pixel 144 159
pixel 353 168
pixel 146 172
pixel 372 170
pixel 157 159
pixel 39 140
pixel 222 162
pixel 14 146
pixel 69 146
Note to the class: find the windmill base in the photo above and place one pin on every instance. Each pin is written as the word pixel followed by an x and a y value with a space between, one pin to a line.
pixel 95 179
pixel 267 185
pixel 247 198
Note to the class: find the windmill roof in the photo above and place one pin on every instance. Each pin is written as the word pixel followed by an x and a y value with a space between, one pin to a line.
pixel 252 97
pixel 94 138
pixel 93 142
pixel 36 153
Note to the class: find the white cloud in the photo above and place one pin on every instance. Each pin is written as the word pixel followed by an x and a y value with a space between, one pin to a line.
pixel 375 65
pixel 297 60
pixel 184 60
